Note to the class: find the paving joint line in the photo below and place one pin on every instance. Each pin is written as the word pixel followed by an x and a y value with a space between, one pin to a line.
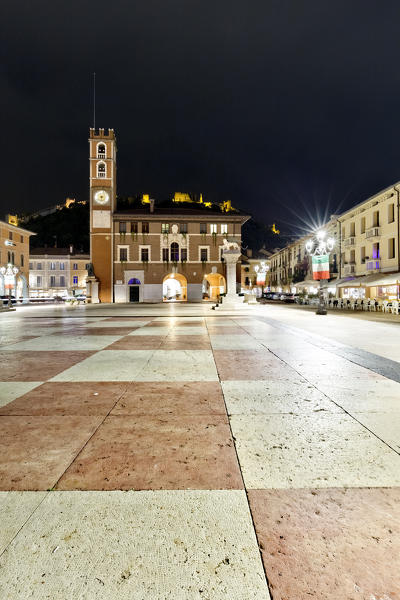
pixel 241 474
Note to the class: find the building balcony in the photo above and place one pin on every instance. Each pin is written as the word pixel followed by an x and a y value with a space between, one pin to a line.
pixel 373 265
pixel 374 232
pixel 351 241
pixel 349 269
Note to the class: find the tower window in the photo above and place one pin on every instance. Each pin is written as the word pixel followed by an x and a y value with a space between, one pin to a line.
pixel 174 252
pixel 101 151
pixel 101 169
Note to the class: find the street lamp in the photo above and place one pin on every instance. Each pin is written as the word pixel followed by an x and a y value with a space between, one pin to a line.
pixel 261 269
pixel 319 248
pixel 9 273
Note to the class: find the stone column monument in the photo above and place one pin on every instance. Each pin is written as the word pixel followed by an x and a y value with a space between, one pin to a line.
pixel 231 253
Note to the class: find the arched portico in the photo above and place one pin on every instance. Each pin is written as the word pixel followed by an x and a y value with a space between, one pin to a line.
pixel 174 288
pixel 214 285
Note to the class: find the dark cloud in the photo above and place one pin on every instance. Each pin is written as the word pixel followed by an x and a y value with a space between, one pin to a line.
pixel 280 105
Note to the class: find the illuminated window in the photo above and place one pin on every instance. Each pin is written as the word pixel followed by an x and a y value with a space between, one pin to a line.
pixel 174 252
pixel 224 229
pixel 101 169
pixel 165 228
pixel 75 279
pixel 213 228
pixel 52 266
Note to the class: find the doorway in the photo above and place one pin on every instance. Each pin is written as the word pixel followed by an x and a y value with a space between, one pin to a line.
pixel 133 293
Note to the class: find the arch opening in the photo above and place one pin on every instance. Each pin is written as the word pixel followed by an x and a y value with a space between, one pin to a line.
pixel 174 288
pixel 214 285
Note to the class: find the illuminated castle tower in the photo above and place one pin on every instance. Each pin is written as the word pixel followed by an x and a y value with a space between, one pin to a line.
pixel 103 178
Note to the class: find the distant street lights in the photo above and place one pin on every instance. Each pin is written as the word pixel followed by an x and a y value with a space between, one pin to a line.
pixel 319 248
pixel 9 273
pixel 261 271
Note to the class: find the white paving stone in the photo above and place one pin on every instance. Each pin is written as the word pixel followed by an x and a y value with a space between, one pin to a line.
pixel 136 545
pixel 318 450
pixel 107 365
pixel 384 425
pixel 66 342
pixel 234 342
pixel 10 390
pixel 15 510
pixel 279 396
pixel 179 365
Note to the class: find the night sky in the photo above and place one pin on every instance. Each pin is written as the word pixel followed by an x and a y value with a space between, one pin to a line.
pixel 285 107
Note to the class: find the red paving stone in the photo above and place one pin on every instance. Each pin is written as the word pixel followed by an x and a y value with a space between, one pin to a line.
pixel 37 365
pixel 104 330
pixel 137 342
pixel 179 398
pixel 127 319
pixel 186 342
pixel 35 451
pixel 247 364
pixel 330 544
pixel 150 453
pixel 58 398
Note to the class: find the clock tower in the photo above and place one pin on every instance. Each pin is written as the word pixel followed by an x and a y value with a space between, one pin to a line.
pixel 103 179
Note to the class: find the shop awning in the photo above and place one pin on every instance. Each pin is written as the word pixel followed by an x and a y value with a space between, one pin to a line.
pixel 369 280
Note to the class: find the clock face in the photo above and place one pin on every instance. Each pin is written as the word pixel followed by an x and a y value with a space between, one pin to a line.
pixel 101 197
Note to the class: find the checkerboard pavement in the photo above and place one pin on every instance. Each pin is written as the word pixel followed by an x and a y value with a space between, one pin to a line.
pixel 156 457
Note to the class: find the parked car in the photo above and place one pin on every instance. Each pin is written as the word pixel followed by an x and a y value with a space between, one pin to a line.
pixel 6 298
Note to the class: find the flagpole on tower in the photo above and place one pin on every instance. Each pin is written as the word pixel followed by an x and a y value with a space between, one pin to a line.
pixel 94 100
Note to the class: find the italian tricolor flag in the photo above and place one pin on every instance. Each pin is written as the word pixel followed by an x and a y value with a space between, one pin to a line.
pixel 320 266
